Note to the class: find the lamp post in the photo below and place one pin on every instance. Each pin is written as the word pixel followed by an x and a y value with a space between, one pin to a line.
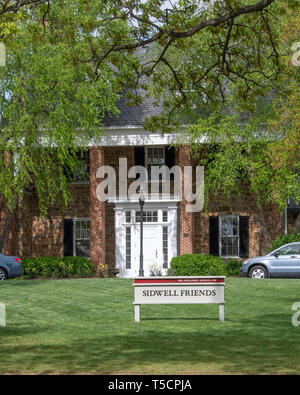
pixel 141 202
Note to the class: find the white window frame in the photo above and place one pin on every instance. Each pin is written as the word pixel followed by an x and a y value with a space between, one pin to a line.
pixel 147 157
pixel 77 219
pixel 231 216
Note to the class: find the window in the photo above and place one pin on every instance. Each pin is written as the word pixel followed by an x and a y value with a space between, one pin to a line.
pixel 165 215
pixel 165 247
pixel 148 216
pixel 128 248
pixel 293 249
pixel 82 237
pixel 128 216
pixel 229 236
pixel 155 156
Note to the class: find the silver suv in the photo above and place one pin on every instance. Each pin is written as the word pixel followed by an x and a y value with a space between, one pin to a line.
pixel 283 262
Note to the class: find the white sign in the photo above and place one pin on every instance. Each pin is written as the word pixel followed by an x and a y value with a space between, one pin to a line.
pixel 2 314
pixel 179 290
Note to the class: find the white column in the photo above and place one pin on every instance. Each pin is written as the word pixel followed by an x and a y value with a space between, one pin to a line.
pixel 120 240
pixel 172 232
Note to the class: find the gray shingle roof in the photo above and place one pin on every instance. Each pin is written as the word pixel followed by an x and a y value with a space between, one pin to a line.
pixel 133 115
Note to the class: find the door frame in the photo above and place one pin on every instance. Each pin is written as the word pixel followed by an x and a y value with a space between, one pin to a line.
pixel 120 234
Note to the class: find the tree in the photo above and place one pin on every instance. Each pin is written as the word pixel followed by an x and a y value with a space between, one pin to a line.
pixel 285 151
pixel 255 149
pixel 51 105
pixel 68 63
pixel 238 158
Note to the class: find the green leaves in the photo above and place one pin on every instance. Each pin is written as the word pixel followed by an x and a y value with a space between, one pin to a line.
pixel 238 159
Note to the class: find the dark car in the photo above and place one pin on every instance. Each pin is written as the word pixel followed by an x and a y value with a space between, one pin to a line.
pixel 283 262
pixel 10 267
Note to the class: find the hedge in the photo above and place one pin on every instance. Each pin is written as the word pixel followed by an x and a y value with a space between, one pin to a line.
pixel 284 239
pixel 233 267
pixel 57 267
pixel 198 265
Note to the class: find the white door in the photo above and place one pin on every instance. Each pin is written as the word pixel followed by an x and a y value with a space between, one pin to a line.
pixel 159 240
pixel 152 248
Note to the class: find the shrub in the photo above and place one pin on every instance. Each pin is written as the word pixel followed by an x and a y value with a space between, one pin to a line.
pixel 199 265
pixel 103 270
pixel 172 272
pixel 284 239
pixel 233 267
pixel 57 267
pixel 155 270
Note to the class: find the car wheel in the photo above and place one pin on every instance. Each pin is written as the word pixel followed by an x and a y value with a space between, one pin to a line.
pixel 258 272
pixel 3 274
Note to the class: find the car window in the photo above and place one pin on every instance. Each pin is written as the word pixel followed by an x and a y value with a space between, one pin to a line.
pixel 289 250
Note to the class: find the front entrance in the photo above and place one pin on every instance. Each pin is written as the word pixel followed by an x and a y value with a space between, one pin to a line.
pixel 153 249
pixel 159 240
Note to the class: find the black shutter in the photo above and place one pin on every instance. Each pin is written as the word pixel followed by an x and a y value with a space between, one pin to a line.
pixel 169 156
pixel 68 237
pixel 139 156
pixel 214 236
pixel 244 237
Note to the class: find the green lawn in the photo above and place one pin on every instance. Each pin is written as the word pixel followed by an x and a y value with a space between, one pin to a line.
pixel 87 325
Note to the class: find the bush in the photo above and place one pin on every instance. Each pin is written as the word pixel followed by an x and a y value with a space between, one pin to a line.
pixel 284 239
pixel 103 270
pixel 57 267
pixel 233 267
pixel 198 265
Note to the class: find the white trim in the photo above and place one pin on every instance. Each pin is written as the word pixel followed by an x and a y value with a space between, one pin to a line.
pixel 77 219
pixel 134 136
pixel 121 225
pixel 231 216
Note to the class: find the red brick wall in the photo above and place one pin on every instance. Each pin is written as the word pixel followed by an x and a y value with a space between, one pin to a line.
pixel 112 155
pixel 186 219
pixel 43 236
pixel 97 210
pixel 10 247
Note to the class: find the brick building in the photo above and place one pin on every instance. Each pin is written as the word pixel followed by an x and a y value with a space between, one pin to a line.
pixel 109 232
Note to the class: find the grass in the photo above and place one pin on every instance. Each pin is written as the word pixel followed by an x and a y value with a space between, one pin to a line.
pixel 87 326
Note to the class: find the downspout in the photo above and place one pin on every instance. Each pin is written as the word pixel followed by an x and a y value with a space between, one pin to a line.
pixel 286 220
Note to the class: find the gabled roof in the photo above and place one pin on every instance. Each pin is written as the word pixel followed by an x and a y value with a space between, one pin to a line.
pixel 133 115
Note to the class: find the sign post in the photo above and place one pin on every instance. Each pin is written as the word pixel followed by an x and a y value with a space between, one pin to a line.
pixel 179 290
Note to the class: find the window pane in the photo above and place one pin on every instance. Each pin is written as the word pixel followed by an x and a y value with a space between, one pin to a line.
pixel 128 248
pixel 289 250
pixel 128 216
pixel 165 247
pixel 82 248
pixel 165 216
pixel 82 238
pixel 226 227
pixel 148 216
